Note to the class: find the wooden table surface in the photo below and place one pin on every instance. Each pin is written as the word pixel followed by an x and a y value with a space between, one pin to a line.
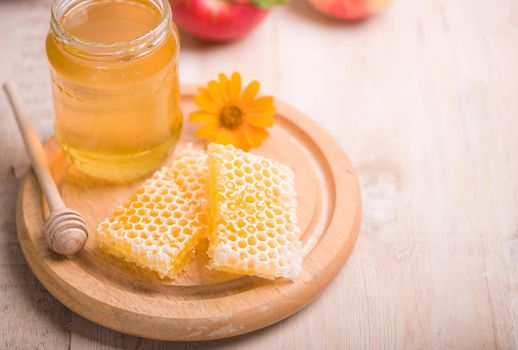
pixel 423 98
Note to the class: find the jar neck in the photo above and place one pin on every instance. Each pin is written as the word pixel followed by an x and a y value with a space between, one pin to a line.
pixel 120 50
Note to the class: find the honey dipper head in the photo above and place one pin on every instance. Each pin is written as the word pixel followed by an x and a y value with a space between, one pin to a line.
pixel 65 231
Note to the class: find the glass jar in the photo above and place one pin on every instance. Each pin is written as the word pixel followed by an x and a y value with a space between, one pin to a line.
pixel 114 76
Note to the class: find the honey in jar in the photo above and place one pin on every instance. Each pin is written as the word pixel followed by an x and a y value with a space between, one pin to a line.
pixel 115 84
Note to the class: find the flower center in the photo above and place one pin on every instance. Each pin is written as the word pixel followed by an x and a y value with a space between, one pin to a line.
pixel 231 117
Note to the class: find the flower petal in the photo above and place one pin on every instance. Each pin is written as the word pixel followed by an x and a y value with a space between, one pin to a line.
pixel 253 138
pixel 225 85
pixel 207 131
pixel 206 103
pixel 234 137
pixel 224 136
pixel 241 141
pixel 262 133
pixel 250 92
pixel 202 117
pixel 260 120
pixel 216 93
pixel 261 105
pixel 235 86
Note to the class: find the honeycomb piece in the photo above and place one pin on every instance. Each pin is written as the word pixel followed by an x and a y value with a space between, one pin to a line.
pixel 158 227
pixel 253 225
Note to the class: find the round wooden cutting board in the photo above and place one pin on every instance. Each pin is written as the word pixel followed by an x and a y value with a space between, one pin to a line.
pixel 200 304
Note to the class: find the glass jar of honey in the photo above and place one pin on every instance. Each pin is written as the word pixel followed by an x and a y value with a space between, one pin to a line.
pixel 115 84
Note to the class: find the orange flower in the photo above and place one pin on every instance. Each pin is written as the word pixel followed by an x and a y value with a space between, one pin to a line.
pixel 232 116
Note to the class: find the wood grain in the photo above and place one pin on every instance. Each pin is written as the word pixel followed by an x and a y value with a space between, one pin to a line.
pixel 422 98
pixel 30 318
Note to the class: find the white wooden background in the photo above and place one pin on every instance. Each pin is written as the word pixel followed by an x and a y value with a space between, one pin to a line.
pixel 425 101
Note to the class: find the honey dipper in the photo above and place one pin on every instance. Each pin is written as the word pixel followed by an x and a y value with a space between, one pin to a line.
pixel 65 229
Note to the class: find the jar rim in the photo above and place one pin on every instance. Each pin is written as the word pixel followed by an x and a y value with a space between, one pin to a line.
pixel 136 47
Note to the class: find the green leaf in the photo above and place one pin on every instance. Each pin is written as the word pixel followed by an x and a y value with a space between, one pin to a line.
pixel 265 4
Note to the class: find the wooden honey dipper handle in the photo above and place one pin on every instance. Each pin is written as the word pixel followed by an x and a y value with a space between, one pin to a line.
pixel 65 230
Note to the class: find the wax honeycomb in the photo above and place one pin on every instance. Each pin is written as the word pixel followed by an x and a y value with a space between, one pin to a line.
pixel 253 225
pixel 160 225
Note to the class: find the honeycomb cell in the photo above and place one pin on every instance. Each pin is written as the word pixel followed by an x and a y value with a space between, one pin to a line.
pixel 252 227
pixel 160 225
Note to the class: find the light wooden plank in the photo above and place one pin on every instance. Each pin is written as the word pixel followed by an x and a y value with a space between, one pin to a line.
pixel 30 317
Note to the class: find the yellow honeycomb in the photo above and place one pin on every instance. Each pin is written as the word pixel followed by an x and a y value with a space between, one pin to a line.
pixel 253 225
pixel 158 227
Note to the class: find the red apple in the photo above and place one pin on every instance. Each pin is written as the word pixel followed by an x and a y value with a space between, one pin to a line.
pixel 352 10
pixel 217 20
